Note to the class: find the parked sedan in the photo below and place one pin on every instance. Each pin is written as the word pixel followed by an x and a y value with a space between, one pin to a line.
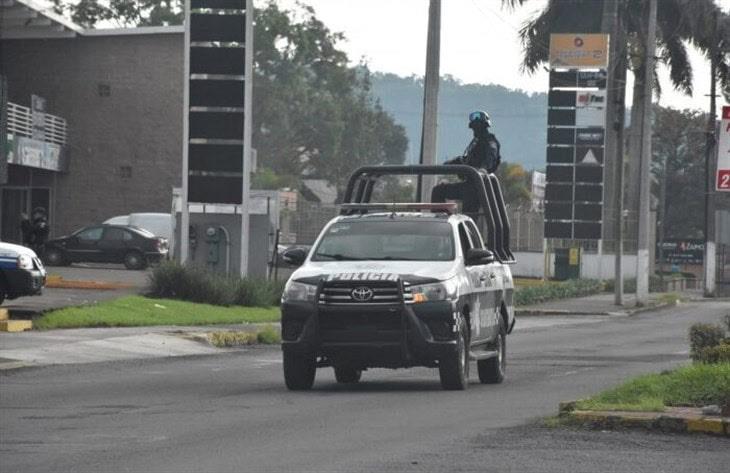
pixel 133 246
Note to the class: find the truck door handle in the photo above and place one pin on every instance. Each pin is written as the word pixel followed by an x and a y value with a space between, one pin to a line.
pixel 482 278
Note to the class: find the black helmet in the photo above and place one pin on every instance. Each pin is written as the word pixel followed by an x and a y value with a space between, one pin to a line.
pixel 479 118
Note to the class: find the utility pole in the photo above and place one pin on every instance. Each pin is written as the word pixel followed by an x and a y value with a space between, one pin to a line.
pixel 663 210
pixel 709 289
pixel 615 102
pixel 642 254
pixel 430 99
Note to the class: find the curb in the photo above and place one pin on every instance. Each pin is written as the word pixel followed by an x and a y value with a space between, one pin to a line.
pixel 624 312
pixel 674 421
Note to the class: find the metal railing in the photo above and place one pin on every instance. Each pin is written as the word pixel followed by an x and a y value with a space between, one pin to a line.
pixel 20 122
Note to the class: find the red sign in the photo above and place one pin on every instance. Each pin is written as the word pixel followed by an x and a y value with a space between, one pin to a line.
pixel 722 180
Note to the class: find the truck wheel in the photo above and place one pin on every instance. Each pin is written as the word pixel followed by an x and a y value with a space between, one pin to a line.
pixel 454 367
pixel 347 375
pixel 134 260
pixel 56 257
pixel 491 370
pixel 299 371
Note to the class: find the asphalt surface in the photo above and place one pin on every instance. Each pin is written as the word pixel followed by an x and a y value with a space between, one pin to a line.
pixel 231 412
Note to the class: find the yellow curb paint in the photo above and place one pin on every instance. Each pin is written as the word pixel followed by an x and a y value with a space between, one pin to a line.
pixel 710 426
pixel 4 315
pixel 15 325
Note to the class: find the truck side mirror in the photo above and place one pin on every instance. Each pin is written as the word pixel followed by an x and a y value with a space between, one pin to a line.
pixel 294 256
pixel 479 256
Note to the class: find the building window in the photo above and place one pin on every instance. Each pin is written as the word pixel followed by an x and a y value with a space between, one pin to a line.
pixel 125 172
pixel 105 90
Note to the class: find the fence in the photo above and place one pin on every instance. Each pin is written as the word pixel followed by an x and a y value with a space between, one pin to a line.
pixel 303 225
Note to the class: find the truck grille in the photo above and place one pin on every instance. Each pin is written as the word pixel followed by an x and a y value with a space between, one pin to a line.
pixel 356 292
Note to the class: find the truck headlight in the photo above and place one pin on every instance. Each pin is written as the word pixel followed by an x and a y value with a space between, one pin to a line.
pixel 441 291
pixel 298 291
pixel 25 262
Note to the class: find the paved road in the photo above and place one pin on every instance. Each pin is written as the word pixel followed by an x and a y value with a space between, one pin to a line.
pixel 231 412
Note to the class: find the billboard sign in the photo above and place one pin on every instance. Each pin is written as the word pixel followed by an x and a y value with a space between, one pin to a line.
pixel 681 251
pixel 722 178
pixel 578 50
pixel 217 134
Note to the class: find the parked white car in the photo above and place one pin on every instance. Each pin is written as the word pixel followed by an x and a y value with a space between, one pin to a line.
pixel 21 272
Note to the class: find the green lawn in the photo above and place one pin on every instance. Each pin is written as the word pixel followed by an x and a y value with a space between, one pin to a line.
pixel 135 311
pixel 696 385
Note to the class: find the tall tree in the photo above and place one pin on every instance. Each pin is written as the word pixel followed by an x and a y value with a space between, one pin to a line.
pixel 677 150
pixel 515 182
pixel 315 115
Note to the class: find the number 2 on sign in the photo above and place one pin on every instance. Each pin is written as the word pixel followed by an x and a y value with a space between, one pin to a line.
pixel 723 179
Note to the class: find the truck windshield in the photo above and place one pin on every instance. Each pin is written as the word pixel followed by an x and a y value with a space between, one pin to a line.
pixel 386 240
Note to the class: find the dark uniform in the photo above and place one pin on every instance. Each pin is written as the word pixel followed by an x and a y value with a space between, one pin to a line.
pixel 482 154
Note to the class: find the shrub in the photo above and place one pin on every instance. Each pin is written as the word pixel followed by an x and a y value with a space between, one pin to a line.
pixel 268 335
pixel 557 290
pixel 174 281
pixel 630 285
pixel 717 354
pixel 703 336
pixel 231 339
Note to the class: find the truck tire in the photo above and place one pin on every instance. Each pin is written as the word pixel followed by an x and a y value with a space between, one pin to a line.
pixel 454 367
pixel 299 371
pixel 135 260
pixel 347 375
pixel 492 370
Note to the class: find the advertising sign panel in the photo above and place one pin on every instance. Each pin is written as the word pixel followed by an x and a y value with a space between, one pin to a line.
pixel 722 179
pixel 579 50
pixel 681 251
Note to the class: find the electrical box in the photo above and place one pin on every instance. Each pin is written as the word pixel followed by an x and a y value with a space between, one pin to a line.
pixel 213 239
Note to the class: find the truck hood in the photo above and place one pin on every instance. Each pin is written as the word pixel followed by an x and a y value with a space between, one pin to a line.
pixel 13 251
pixel 414 272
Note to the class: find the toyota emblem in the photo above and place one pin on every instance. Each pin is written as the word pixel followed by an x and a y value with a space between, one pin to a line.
pixel 362 294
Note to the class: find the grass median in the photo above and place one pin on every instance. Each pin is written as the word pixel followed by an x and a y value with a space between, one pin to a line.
pixel 137 311
pixel 697 385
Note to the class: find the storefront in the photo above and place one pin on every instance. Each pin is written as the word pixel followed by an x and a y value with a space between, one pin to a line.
pixel 34 153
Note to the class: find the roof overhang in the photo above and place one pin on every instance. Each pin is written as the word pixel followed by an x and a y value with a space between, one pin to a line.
pixel 29 19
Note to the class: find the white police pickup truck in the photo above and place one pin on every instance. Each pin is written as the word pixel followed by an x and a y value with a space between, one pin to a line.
pixel 21 272
pixel 396 286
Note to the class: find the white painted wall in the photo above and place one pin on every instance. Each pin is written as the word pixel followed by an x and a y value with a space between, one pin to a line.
pixel 531 265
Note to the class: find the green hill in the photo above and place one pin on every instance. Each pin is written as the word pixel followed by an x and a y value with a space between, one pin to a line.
pixel 519 119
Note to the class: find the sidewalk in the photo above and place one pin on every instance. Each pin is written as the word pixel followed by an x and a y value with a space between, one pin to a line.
pixel 91 345
pixel 597 304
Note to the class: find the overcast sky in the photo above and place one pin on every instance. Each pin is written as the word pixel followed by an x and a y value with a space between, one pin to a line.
pixel 479 42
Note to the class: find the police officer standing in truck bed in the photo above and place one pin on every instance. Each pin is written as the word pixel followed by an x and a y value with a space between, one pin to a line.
pixel 482 153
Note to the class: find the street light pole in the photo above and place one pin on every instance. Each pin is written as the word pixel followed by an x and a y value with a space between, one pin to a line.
pixel 642 255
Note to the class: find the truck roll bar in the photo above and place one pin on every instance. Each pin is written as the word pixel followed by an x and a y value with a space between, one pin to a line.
pixel 493 220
